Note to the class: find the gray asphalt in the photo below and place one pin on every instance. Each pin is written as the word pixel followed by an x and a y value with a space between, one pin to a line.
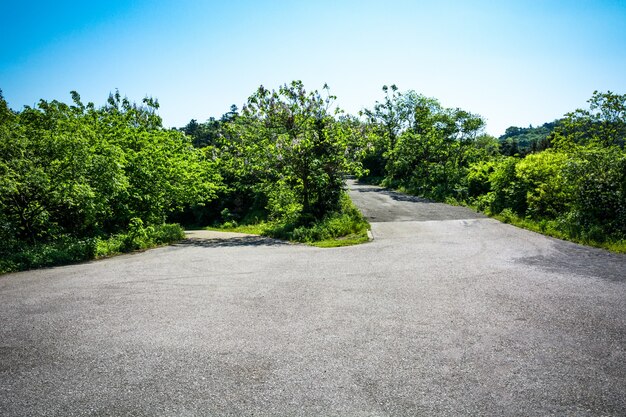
pixel 443 313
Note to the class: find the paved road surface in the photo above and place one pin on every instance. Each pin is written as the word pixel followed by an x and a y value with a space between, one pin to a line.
pixel 444 313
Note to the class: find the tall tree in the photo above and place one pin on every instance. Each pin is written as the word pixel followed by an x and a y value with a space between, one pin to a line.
pixel 299 144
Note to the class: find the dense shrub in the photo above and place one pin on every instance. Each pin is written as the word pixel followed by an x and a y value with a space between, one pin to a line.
pixel 66 249
pixel 507 191
pixel 478 178
pixel 60 251
pixel 345 222
pixel 598 191
pixel 542 176
pixel 139 237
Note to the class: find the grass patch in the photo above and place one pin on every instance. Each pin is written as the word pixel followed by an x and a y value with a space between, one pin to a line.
pixel 350 240
pixel 343 228
pixel 67 250
pixel 62 251
pixel 251 229
pixel 554 229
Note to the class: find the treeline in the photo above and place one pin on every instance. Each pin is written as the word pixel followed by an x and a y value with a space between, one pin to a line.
pixel 570 183
pixel 524 140
pixel 80 181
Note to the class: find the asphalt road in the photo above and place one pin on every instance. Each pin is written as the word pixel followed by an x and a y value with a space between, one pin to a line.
pixel 444 313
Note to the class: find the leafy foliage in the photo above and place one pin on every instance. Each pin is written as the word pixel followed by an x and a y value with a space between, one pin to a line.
pixel 67 249
pixel 597 177
pixel 346 222
pixel 81 172
pixel 283 158
pixel 300 148
pixel 603 124
pixel 138 237
pixel 80 181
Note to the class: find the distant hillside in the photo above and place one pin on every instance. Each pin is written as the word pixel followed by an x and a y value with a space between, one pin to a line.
pixel 525 140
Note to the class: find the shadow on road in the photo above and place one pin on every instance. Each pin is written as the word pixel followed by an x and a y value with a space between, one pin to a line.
pixel 395 195
pixel 571 258
pixel 232 242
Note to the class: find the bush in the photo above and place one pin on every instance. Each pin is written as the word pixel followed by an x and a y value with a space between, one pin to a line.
pixel 508 192
pixel 578 194
pixel 66 249
pixel 598 177
pixel 138 238
pixel 348 221
pixel 168 233
pixel 541 175
pixel 62 251
pixel 478 178
pixel 507 215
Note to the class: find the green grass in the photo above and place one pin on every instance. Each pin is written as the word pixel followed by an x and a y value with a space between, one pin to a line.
pixel 551 228
pixel 343 228
pixel 265 229
pixel 62 251
pixel 350 240
pixel 139 238
pixel 251 229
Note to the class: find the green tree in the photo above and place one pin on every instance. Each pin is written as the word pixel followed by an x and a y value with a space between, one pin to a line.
pixel 603 124
pixel 298 147
pixel 429 147
pixel 81 171
pixel 598 192
pixel 48 165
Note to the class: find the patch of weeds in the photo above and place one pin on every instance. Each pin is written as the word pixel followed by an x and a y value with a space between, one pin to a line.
pixel 556 229
pixel 350 240
pixel 65 250
pixel 139 237
pixel 61 251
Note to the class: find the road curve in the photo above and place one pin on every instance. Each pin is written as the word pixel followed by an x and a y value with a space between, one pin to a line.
pixel 444 313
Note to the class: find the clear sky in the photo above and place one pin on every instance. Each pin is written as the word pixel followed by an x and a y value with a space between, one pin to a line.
pixel 513 62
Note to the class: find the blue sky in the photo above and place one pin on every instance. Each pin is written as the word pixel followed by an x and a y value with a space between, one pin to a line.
pixel 513 62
